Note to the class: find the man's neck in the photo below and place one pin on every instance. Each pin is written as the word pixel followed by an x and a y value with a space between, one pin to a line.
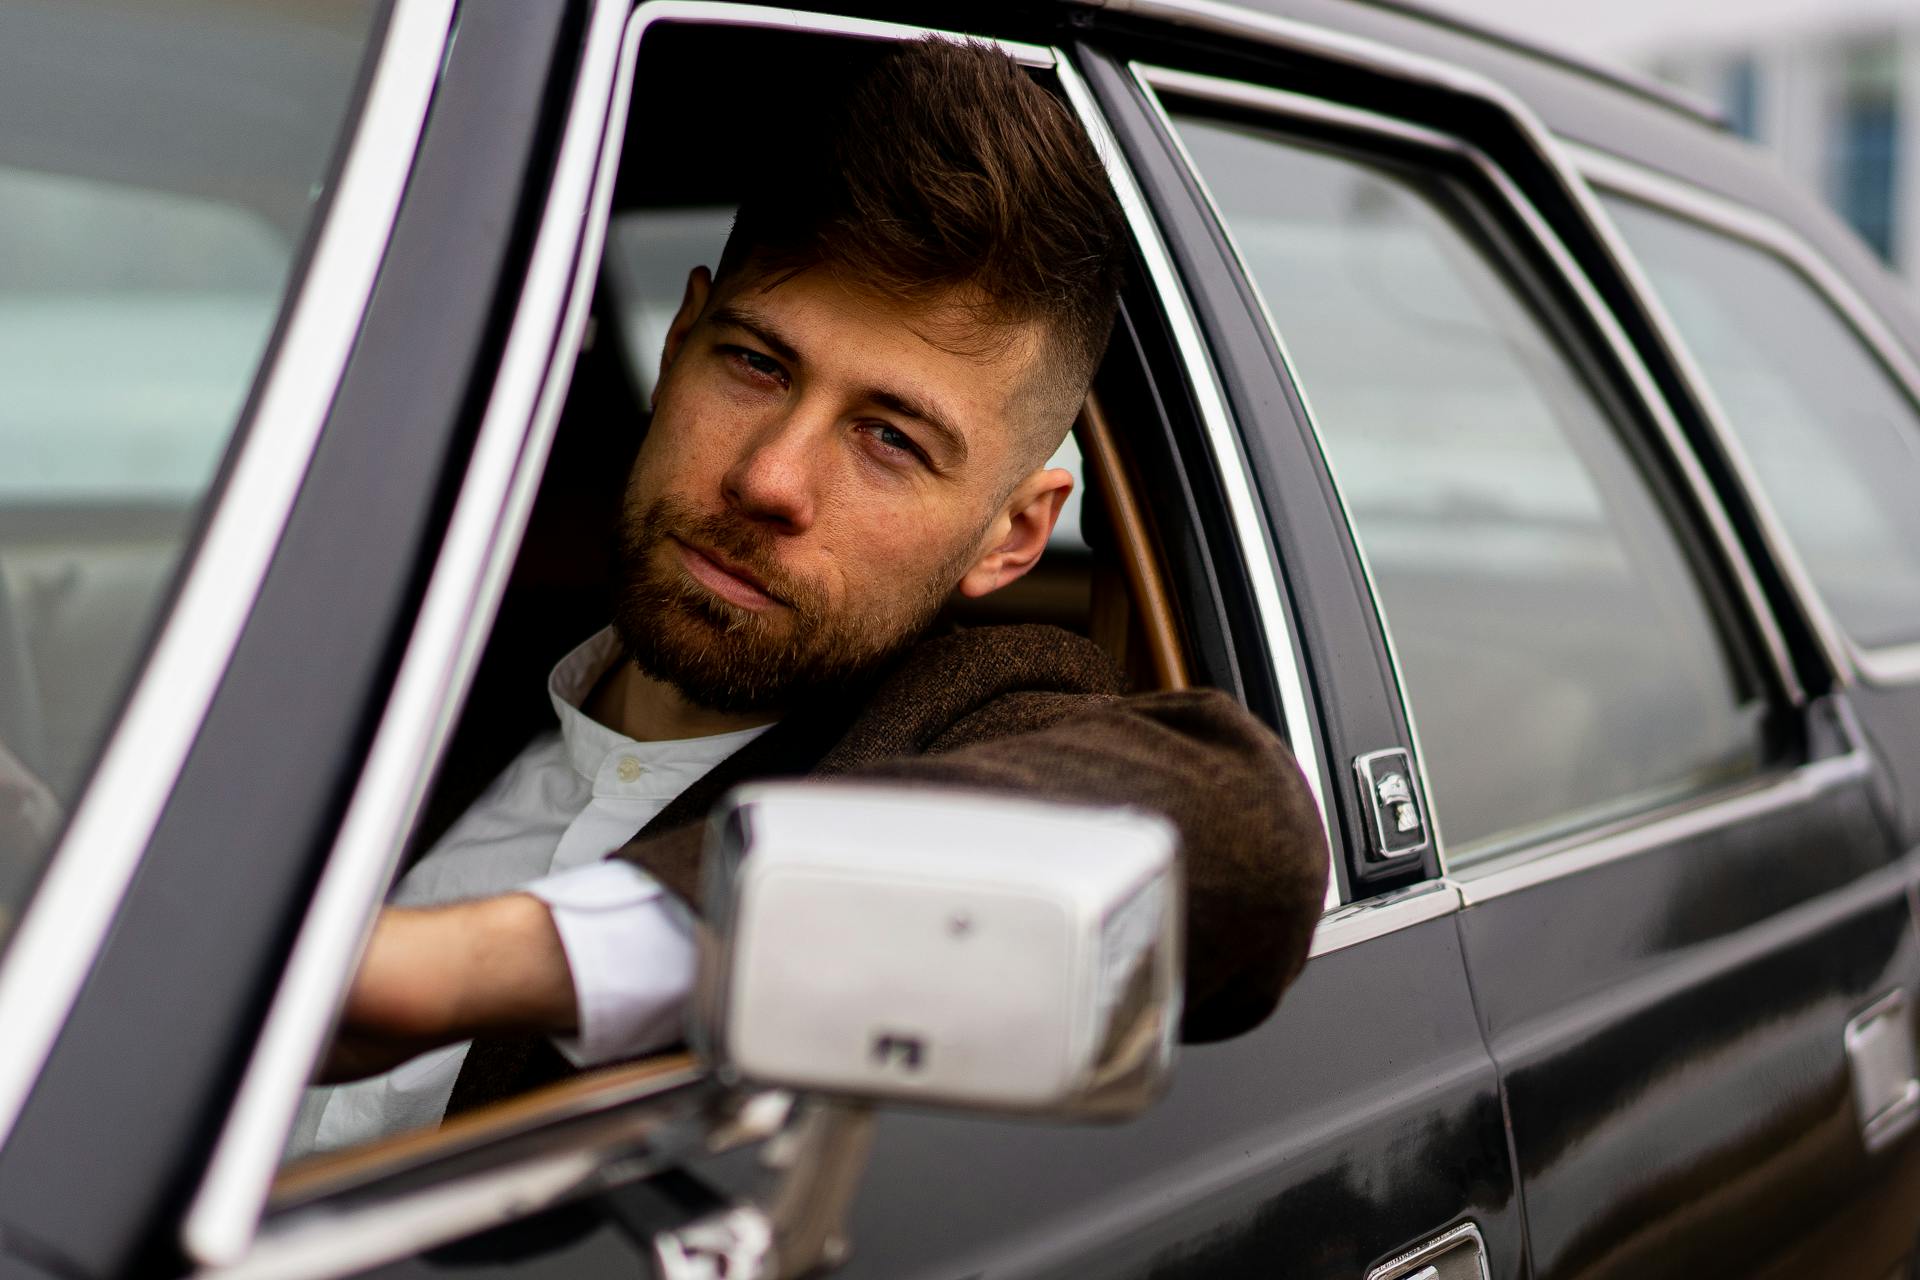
pixel 637 706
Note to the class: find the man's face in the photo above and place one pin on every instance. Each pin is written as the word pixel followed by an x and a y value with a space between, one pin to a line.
pixel 818 478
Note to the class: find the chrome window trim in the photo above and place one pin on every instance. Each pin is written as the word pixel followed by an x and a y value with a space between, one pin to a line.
pixel 1888 664
pixel 1659 92
pixel 84 884
pixel 462 598
pixel 1243 509
pixel 611 1145
pixel 1389 913
pixel 1643 832
pixel 1281 103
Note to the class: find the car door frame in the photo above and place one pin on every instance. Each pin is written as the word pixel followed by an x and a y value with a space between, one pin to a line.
pixel 100 850
pixel 96 1165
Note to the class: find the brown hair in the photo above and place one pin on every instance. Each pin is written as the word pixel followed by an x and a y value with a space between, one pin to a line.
pixel 946 175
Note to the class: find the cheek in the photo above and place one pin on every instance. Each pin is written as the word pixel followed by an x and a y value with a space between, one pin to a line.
pixel 684 450
pixel 879 549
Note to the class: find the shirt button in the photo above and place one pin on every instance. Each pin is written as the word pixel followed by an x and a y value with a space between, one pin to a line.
pixel 628 768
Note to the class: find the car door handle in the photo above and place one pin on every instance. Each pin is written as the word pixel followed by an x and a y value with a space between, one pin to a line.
pixel 1458 1254
pixel 1886 1094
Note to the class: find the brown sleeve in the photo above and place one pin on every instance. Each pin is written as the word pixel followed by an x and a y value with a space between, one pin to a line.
pixel 1254 855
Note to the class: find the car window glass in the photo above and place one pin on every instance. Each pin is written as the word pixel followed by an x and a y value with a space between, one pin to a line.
pixel 159 167
pixel 1833 440
pixel 1560 662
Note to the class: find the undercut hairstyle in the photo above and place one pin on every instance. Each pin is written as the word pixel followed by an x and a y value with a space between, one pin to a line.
pixel 945 177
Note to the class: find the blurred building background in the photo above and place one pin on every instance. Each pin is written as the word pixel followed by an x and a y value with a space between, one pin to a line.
pixel 1830 87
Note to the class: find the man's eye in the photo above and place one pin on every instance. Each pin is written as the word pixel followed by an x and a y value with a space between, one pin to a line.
pixel 757 363
pixel 894 442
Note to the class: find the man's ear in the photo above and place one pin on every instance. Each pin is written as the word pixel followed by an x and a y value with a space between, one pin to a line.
pixel 1019 534
pixel 692 303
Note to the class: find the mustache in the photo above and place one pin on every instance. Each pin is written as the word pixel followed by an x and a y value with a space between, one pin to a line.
pixel 740 544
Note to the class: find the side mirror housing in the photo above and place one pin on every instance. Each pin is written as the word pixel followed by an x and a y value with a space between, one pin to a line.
pixel 942 947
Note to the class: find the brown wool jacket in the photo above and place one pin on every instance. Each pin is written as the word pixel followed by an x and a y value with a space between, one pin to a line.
pixel 1039 711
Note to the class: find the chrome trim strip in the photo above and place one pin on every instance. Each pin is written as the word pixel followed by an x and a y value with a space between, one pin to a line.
pixel 348 1232
pixel 1403 1266
pixel 461 599
pixel 1243 509
pixel 1256 97
pixel 70 913
pixel 1389 913
pixel 724 13
pixel 316 1247
pixel 1283 103
pixel 1524 870
pixel 1891 664
pixel 1641 86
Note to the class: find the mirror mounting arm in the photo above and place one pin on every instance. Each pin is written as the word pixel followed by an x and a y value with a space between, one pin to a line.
pixel 800 1226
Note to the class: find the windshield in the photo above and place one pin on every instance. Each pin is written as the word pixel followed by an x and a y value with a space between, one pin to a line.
pixel 160 166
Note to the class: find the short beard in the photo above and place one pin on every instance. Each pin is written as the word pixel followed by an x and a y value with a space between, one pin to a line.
pixel 729 659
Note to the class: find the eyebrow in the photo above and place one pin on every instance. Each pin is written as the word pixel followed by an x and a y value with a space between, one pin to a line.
pixel 733 316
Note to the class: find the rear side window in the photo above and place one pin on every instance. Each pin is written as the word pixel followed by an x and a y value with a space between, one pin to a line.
pixel 1560 660
pixel 1833 440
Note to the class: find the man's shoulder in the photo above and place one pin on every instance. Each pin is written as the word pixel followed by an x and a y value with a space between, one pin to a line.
pixel 964 684
pixel 1021 657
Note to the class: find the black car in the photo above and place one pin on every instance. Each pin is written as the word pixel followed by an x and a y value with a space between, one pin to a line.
pixel 1498 428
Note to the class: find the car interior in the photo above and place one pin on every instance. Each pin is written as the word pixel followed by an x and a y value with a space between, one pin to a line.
pixel 1105 574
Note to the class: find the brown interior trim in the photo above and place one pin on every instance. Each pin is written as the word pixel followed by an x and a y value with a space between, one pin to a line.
pixel 580 1095
pixel 1158 622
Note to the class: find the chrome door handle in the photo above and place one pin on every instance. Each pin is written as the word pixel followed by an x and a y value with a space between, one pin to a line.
pixel 1886 1094
pixel 1459 1254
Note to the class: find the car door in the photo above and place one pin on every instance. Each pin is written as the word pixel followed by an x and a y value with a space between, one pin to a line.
pixel 1684 919
pixel 1809 398
pixel 1352 1130
pixel 229 188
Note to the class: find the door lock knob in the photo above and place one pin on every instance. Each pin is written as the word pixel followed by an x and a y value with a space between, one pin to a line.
pixel 1387 787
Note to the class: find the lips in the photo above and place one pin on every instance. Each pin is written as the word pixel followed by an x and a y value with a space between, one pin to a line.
pixel 725 579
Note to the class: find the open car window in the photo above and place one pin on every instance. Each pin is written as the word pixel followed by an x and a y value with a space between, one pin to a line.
pixel 647 224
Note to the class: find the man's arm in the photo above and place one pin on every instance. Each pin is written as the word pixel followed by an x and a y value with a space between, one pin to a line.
pixel 1255 858
pixel 438 975
pixel 1253 851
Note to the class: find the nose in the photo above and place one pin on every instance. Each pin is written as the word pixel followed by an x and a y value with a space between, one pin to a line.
pixel 773 481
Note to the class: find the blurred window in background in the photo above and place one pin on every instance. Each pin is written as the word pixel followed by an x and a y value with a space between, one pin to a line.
pixel 160 166
pixel 1558 656
pixel 1866 141
pixel 1741 92
pixel 1833 439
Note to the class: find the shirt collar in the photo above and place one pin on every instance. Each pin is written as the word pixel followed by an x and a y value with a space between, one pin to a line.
pixel 615 764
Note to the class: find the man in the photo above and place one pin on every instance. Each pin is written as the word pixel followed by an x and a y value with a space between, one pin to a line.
pixel 851 423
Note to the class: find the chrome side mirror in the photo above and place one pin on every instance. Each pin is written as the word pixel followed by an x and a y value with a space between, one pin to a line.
pixel 943 948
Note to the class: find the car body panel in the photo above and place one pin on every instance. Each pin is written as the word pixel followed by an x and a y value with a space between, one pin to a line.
pixel 1669 1027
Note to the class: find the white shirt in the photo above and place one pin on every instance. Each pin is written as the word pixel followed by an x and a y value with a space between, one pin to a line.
pixel 546 826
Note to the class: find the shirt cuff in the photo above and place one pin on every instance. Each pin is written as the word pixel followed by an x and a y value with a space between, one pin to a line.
pixel 631 954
